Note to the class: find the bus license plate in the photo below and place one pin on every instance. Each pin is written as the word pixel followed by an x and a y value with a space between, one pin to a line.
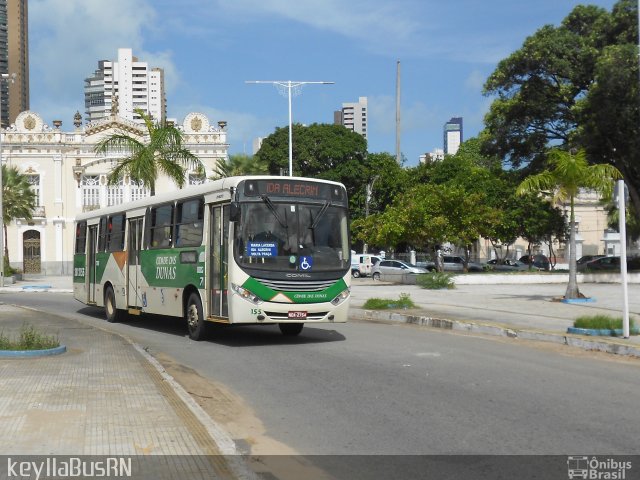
pixel 297 315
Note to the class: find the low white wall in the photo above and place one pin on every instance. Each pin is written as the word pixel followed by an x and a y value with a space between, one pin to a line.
pixel 527 278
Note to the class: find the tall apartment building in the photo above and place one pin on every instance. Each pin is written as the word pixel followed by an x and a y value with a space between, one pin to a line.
pixel 453 135
pixel 122 87
pixel 353 116
pixel 14 59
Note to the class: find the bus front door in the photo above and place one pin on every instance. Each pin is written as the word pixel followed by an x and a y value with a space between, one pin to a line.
pixel 92 248
pixel 134 244
pixel 219 305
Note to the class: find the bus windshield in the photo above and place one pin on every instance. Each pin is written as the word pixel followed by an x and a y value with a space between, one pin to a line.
pixel 285 236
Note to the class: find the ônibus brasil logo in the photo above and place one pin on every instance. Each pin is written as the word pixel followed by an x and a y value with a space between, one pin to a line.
pixel 594 468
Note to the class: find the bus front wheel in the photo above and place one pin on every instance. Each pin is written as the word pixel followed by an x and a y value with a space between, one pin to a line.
pixel 291 329
pixel 112 313
pixel 195 318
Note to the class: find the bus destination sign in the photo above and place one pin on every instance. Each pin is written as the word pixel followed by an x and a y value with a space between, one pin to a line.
pixel 287 188
pixel 292 189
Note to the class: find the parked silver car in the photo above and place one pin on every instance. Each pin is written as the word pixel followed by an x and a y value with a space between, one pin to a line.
pixel 391 268
pixel 455 263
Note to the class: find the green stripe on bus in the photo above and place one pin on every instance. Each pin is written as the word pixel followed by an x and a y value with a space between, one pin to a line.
pixel 268 294
pixel 173 267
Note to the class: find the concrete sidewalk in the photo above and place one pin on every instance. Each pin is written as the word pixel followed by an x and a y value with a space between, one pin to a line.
pixel 37 283
pixel 105 397
pixel 531 311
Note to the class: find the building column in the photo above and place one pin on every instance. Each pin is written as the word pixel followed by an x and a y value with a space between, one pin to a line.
pixel 59 267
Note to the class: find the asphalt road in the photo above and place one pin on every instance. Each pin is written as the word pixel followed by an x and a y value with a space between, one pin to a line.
pixel 365 388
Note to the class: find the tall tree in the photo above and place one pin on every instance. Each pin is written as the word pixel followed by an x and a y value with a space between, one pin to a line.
pixel 574 86
pixel 331 152
pixel 161 151
pixel 538 85
pixel 610 114
pixel 317 149
pixel 568 174
pixel 18 201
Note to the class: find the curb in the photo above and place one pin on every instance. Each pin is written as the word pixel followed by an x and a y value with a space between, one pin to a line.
pixel 602 332
pixel 35 289
pixel 578 300
pixel 500 331
pixel 33 353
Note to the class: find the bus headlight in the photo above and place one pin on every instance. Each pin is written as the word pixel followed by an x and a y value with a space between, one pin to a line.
pixel 342 296
pixel 246 294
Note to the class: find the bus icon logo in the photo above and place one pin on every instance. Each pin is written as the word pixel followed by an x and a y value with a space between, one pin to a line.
pixel 578 466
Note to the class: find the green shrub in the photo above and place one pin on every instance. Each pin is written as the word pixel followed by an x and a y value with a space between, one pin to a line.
pixel 601 322
pixel 8 269
pixel 29 339
pixel 436 281
pixel 403 302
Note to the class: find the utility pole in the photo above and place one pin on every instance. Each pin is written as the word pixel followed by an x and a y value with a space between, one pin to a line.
pixel 398 154
pixel 289 86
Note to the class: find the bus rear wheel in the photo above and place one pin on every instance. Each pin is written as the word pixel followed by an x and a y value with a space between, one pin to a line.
pixel 112 313
pixel 291 329
pixel 195 318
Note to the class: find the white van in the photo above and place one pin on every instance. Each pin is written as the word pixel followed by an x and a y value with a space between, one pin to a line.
pixel 362 264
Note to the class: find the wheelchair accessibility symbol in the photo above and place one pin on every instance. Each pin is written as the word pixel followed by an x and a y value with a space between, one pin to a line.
pixel 306 263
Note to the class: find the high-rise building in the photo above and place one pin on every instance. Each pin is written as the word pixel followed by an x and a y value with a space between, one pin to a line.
pixel 453 135
pixel 14 59
pixel 123 86
pixel 353 116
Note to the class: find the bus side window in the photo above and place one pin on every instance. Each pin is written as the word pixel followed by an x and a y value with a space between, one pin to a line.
pixel 103 234
pixel 81 237
pixel 115 241
pixel 161 225
pixel 189 221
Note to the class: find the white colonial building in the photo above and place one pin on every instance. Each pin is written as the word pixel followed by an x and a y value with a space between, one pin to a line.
pixel 70 178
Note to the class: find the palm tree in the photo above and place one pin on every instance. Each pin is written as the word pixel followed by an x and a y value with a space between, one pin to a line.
pixel 570 173
pixel 162 153
pixel 240 164
pixel 18 201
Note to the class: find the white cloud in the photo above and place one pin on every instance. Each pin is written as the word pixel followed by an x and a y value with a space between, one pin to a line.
pixel 69 37
pixel 379 26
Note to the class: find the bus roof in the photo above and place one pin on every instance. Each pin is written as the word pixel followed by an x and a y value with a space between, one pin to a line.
pixel 190 191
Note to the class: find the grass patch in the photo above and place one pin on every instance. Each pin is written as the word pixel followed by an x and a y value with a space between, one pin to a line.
pixel 601 322
pixel 403 302
pixel 436 281
pixel 29 339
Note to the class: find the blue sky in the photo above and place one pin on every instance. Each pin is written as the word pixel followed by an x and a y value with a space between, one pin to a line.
pixel 210 48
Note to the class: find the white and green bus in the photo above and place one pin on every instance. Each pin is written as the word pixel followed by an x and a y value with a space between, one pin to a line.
pixel 239 250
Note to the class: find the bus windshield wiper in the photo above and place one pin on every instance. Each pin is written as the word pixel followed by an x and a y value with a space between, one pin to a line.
pixel 272 207
pixel 319 216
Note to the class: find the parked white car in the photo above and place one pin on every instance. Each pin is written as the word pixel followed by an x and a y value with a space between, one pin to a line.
pixel 362 264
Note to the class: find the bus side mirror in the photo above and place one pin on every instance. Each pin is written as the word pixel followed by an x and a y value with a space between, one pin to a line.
pixel 234 212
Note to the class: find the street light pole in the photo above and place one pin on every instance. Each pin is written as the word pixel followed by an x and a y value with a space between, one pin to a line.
pixel 5 77
pixel 289 85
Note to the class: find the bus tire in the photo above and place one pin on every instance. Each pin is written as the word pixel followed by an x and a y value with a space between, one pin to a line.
pixel 290 329
pixel 195 318
pixel 112 313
